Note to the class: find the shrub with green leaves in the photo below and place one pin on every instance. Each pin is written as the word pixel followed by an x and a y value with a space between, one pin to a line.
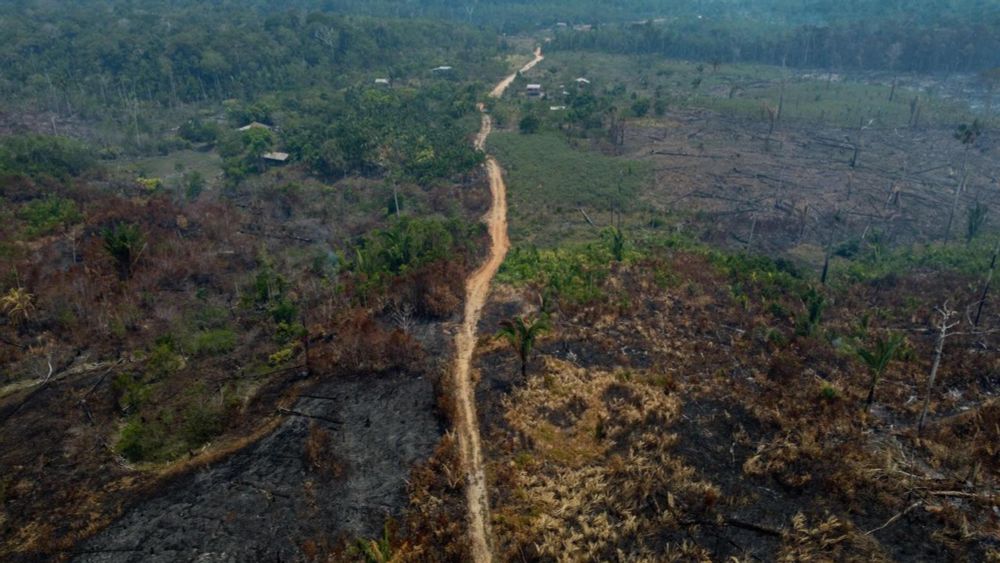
pixel 41 155
pixel 213 342
pixel 125 243
pixel 48 215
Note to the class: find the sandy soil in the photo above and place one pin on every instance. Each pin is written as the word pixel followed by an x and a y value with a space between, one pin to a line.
pixel 476 291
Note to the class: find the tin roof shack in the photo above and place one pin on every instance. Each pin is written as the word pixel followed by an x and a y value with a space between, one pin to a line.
pixel 534 90
pixel 384 82
pixel 275 157
pixel 254 125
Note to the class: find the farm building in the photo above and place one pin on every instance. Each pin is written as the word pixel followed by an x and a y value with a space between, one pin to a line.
pixel 254 125
pixel 277 157
pixel 534 89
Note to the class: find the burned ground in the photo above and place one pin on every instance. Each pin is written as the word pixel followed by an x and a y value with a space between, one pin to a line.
pixel 762 426
pixel 335 469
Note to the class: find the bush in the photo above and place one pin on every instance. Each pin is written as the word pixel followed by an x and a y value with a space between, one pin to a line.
pixel 529 124
pixel 168 433
pixel 212 342
pixel 47 215
pixel 198 131
pixel 641 107
pixel 39 155
pixel 124 242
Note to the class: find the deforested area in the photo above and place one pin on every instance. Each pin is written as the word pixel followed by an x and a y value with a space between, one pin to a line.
pixel 565 280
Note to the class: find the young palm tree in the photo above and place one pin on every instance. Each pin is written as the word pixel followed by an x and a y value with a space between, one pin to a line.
pixel 379 550
pixel 878 359
pixel 616 242
pixel 125 242
pixel 17 303
pixel 521 334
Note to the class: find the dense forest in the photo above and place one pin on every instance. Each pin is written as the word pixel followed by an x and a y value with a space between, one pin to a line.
pixel 913 42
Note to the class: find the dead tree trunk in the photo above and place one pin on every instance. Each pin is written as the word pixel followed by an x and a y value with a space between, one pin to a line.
pixel 753 228
pixel 986 286
pixel 944 327
pixel 958 194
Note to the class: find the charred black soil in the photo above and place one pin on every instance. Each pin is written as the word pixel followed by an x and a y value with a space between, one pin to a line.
pixel 335 468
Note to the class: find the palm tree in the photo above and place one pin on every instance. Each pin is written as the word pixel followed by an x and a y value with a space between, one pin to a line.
pixel 379 550
pixel 125 242
pixel 521 334
pixel 17 303
pixel 815 303
pixel 616 242
pixel 878 358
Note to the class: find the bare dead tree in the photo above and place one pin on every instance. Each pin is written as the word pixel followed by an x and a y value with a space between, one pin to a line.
pixel 402 316
pixel 986 286
pixel 967 135
pixel 944 326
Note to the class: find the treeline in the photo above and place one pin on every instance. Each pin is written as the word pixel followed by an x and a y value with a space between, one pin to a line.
pixel 405 134
pixel 951 44
pixel 123 54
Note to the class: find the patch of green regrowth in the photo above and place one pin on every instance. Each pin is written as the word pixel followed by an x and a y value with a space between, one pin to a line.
pixel 548 176
pixel 407 244
pixel 572 273
pixel 38 156
pixel 167 433
pixel 212 342
pixel 875 262
pixel 48 215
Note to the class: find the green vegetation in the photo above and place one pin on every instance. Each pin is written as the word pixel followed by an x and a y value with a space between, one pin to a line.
pixel 547 177
pixel 408 244
pixel 571 273
pixel 48 215
pixel 213 342
pixel 913 36
pixel 166 435
pixel 521 334
pixel 877 359
pixel 872 261
pixel 40 155
pixel 125 243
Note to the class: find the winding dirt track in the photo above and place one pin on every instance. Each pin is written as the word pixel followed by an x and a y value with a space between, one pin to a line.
pixel 477 288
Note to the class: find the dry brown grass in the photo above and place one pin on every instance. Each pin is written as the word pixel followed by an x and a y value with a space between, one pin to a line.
pixel 596 478
pixel 604 463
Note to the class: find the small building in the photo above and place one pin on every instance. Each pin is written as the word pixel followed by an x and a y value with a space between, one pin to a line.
pixel 443 68
pixel 534 89
pixel 254 125
pixel 277 157
pixel 583 81
pixel 382 82
pixel 557 108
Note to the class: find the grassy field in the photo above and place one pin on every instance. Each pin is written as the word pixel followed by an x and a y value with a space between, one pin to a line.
pixel 549 181
pixel 743 89
pixel 175 165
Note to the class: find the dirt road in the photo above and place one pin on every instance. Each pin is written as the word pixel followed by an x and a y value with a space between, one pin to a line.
pixel 477 288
